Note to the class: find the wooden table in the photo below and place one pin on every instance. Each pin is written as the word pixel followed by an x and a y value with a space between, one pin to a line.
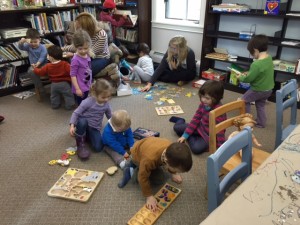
pixel 271 195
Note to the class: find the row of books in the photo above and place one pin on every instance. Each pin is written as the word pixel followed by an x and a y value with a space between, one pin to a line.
pixel 11 52
pixel 231 8
pixel 8 76
pixel 51 22
pixel 91 10
pixel 126 34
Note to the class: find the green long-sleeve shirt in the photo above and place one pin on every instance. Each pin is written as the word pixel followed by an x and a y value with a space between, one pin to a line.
pixel 260 75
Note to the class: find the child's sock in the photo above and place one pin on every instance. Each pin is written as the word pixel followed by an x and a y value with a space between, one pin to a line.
pixel 122 164
pixel 127 173
pixel 174 119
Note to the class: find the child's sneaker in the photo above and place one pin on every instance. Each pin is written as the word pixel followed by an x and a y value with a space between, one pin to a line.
pixel 174 119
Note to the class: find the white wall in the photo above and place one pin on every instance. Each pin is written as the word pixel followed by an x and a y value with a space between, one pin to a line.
pixel 163 30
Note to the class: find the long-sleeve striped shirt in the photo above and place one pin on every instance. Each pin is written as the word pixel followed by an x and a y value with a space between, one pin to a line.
pixel 99 45
pixel 200 122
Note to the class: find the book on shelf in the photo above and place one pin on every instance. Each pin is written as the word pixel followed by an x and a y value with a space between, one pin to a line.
pixel 141 133
pixel 6 53
pixel 231 8
pixel 130 20
pixel 168 110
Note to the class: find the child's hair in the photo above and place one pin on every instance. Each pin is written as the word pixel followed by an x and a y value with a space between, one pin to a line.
pixel 87 22
pixel 143 47
pixel 32 33
pixel 121 119
pixel 80 38
pixel 214 89
pixel 179 156
pixel 99 87
pixel 259 42
pixel 181 44
pixel 55 52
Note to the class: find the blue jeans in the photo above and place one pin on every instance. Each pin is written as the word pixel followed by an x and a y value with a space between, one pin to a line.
pixel 99 64
pixel 92 134
pixel 195 141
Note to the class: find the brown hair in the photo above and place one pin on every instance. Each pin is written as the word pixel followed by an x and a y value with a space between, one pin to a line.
pixel 214 89
pixel 100 86
pixel 179 156
pixel 143 47
pixel 259 42
pixel 80 38
pixel 87 22
pixel 55 52
pixel 121 119
pixel 32 33
pixel 181 44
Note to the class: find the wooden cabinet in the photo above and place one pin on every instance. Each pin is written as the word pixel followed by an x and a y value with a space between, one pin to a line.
pixel 222 30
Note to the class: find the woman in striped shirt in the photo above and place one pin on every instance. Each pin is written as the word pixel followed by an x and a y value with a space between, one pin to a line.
pixel 101 56
pixel 196 133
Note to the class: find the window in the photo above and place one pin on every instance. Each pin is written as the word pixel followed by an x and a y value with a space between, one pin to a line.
pixel 183 9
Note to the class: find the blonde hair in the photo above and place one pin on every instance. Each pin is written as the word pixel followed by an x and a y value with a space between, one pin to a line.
pixel 99 87
pixel 244 120
pixel 87 22
pixel 181 44
pixel 121 119
pixel 80 38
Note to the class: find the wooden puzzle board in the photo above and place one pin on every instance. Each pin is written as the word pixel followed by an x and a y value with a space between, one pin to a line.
pixel 169 110
pixel 165 197
pixel 76 184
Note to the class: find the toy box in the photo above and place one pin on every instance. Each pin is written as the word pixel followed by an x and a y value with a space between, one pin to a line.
pixel 285 66
pixel 214 75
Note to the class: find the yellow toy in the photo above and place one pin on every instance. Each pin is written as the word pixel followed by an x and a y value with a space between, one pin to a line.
pixel 241 122
pixel 64 159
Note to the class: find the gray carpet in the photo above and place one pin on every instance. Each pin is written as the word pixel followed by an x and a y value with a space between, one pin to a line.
pixel 33 134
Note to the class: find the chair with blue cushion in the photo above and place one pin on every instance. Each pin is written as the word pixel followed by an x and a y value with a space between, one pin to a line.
pixel 286 98
pixel 216 188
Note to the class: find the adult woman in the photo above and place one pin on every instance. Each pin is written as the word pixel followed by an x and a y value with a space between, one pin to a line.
pixel 99 39
pixel 177 66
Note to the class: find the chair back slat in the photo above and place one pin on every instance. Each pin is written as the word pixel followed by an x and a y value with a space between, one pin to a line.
pixel 214 128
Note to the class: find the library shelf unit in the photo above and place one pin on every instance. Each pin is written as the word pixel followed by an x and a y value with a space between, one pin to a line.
pixel 143 27
pixel 15 18
pixel 221 30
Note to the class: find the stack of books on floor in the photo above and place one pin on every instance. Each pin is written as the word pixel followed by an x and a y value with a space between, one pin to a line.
pixel 25 79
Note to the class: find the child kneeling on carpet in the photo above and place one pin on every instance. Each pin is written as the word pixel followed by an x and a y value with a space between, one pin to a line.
pixel 87 119
pixel 196 133
pixel 117 137
pixel 152 154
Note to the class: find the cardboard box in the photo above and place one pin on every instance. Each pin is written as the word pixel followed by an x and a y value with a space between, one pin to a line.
pixel 214 75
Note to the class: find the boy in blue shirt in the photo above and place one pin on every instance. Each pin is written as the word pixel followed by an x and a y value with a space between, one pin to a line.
pixel 117 137
pixel 37 54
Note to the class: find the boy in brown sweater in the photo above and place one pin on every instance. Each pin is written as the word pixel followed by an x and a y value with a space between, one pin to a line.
pixel 149 155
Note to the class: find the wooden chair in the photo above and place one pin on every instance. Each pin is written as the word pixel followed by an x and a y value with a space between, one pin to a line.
pixel 286 98
pixel 238 106
pixel 216 188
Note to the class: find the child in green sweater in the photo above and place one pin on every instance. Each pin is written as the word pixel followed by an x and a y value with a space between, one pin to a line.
pixel 260 76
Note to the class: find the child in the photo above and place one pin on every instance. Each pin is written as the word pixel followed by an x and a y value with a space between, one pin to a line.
pixel 260 76
pixel 86 120
pixel 197 131
pixel 117 137
pixel 109 7
pixel 143 71
pixel 81 73
pixel 37 54
pixel 59 74
pixel 152 153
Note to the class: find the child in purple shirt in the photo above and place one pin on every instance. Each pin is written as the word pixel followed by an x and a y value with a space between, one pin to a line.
pixel 87 119
pixel 81 72
pixel 196 133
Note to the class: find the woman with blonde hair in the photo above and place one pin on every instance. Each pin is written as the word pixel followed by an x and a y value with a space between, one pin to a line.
pixel 177 66
pixel 99 45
